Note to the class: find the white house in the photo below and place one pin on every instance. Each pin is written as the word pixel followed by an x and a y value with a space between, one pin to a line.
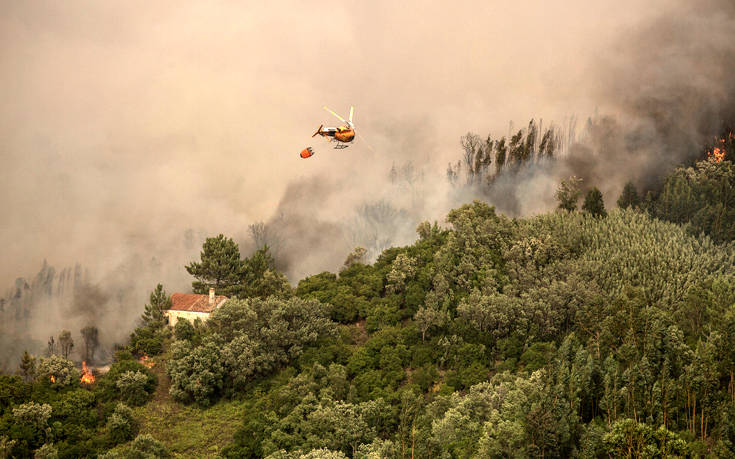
pixel 190 306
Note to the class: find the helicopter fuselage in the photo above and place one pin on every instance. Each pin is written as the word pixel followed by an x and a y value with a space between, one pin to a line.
pixel 342 133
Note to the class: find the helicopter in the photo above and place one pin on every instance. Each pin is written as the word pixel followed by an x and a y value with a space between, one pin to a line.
pixel 341 134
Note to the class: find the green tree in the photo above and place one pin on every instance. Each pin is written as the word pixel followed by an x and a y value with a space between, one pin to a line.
pixel 28 366
pixel 378 449
pixel 6 446
pixel 121 425
pixel 220 266
pixel 59 370
pixel 629 197
pixel 245 339
pixel 402 270
pixel 703 196
pixel 568 193
pixel 147 447
pixel 47 451
pixel 356 256
pixel 184 330
pixel 628 438
pixel 260 278
pixel 196 374
pixel 159 302
pixel 593 203
pixel 132 386
pixel 430 316
pixel 33 414
pixel 32 418
pixel 106 385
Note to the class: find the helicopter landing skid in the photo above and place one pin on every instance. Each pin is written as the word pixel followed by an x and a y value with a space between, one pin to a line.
pixel 340 146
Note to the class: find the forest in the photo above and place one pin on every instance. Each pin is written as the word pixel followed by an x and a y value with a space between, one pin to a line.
pixel 582 332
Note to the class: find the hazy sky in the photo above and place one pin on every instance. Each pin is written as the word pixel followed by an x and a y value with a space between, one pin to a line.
pixel 124 123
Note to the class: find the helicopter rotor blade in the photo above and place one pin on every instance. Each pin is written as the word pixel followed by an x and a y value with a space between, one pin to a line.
pixel 352 111
pixel 366 142
pixel 339 117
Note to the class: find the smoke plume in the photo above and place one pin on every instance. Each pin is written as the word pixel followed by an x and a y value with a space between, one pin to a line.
pixel 132 131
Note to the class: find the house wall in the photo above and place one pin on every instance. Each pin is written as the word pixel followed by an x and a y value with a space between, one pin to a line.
pixel 175 316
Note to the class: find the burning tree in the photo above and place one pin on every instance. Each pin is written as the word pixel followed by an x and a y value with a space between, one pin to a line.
pixel 87 376
pixel 91 341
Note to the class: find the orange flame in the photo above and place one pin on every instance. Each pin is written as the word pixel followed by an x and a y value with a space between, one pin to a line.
pixel 87 376
pixel 716 155
pixel 53 379
pixel 146 361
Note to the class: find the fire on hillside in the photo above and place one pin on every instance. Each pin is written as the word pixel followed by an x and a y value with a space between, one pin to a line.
pixel 146 361
pixel 87 376
pixel 718 153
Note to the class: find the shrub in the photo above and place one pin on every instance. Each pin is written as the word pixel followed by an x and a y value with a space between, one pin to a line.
pixel 121 425
pixel 107 383
pixel 425 377
pixel 145 446
pixel 147 340
pixel 184 330
pixel 47 451
pixel 62 370
pixel 132 386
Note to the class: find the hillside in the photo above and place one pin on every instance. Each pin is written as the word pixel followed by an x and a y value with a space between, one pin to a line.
pixel 565 334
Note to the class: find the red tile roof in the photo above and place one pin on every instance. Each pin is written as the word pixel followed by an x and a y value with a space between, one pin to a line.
pixel 195 303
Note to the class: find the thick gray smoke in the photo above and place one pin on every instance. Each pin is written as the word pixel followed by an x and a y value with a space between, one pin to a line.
pixel 669 86
pixel 666 90
pixel 129 132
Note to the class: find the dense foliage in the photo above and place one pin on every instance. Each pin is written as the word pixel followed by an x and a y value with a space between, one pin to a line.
pixel 67 417
pixel 222 269
pixel 242 340
pixel 577 333
pixel 702 196
pixel 566 334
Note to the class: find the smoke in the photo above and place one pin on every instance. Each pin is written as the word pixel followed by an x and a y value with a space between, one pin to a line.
pixel 665 90
pixel 674 93
pixel 129 132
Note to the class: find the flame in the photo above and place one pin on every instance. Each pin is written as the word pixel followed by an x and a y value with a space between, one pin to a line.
pixel 146 361
pixel 53 379
pixel 716 155
pixel 87 376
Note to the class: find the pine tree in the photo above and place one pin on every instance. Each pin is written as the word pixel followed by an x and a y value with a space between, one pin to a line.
pixel 500 154
pixel 159 302
pixel 28 366
pixel 593 203
pixel 221 266
pixel 629 197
